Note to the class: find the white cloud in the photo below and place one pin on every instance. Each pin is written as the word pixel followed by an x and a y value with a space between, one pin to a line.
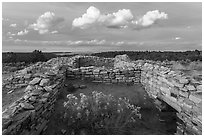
pixel 150 18
pixel 90 17
pixel 101 42
pixel 45 22
pixel 120 19
pixel 23 32
pixel 177 38
pixel 93 15
pixel 13 25
pixel 118 43
pixel 54 32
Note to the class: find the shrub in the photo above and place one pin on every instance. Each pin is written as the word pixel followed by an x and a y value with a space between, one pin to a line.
pixel 100 114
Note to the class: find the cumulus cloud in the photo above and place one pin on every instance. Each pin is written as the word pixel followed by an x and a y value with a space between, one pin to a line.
pixel 13 25
pixel 45 22
pixel 23 32
pixel 150 18
pixel 117 19
pixel 93 15
pixel 120 19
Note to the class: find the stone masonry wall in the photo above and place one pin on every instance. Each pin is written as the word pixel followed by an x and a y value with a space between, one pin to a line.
pixel 177 90
pixel 96 74
pixel 30 114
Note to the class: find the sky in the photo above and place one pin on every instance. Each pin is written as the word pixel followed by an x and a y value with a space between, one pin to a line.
pixel 101 26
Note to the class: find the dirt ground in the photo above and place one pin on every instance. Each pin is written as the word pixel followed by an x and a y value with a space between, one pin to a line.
pixel 137 95
pixel 8 99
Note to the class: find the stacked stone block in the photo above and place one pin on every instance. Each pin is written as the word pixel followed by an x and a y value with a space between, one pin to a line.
pixel 179 92
pixel 31 113
pixel 96 74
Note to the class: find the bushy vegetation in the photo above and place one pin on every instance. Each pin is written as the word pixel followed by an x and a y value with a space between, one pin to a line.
pixel 100 114
pixel 155 55
pixel 35 56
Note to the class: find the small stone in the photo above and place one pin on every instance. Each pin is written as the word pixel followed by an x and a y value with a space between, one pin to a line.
pixel 35 92
pixel 11 91
pixel 46 95
pixel 28 88
pixel 190 87
pixel 33 99
pixel 43 100
pixel 183 81
pixel 48 88
pixel 26 97
pixel 195 98
pixel 63 131
pixel 43 82
pixel 27 76
pixel 199 87
pixel 27 105
pixel 82 86
pixel 35 81
pixel 76 86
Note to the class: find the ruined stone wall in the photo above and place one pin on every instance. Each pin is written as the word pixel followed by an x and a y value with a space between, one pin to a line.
pixel 102 74
pixel 177 90
pixel 31 113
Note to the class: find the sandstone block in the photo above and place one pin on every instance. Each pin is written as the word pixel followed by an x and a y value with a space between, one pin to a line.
pixel 28 88
pixel 44 82
pixel 190 87
pixel 26 106
pixel 196 98
pixel 35 81
pixel 48 88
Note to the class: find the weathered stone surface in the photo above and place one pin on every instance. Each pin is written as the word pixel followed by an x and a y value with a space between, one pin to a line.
pixel 46 95
pixel 35 81
pixel 190 87
pixel 27 76
pixel 195 98
pixel 44 82
pixel 6 123
pixel 199 88
pixel 43 100
pixel 11 91
pixel 28 88
pixel 22 116
pixel 183 81
pixel 27 105
pixel 33 99
pixel 36 92
pixel 82 86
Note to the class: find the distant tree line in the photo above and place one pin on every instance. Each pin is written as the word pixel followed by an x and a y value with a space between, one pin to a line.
pixel 195 55
pixel 35 56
